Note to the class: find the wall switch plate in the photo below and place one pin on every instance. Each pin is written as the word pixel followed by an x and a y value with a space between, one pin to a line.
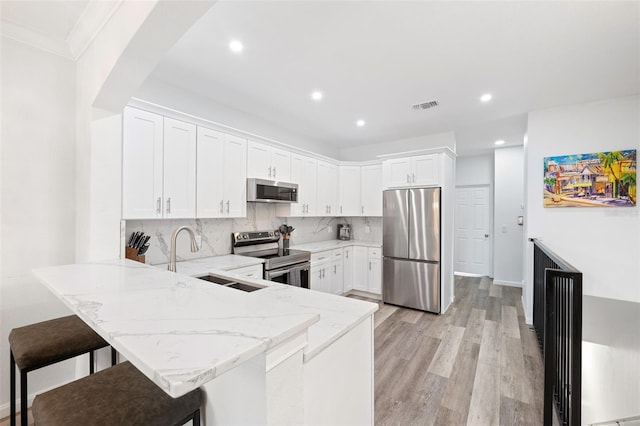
pixel 199 240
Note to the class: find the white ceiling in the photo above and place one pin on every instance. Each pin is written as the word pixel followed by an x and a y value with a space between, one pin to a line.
pixel 374 60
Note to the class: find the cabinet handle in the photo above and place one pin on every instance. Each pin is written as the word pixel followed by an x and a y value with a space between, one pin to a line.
pixel 334 269
pixel 158 206
pixel 221 206
pixel 340 209
pixel 408 178
pixel 274 172
pixel 228 202
pixel 169 205
pixel 346 253
pixel 362 209
pixel 269 171
pixel 320 273
pixel 329 209
pixel 414 178
pixel 369 265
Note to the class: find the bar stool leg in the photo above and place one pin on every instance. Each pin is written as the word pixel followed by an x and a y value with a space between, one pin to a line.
pixel 12 375
pixel 91 362
pixel 196 419
pixel 114 357
pixel 24 417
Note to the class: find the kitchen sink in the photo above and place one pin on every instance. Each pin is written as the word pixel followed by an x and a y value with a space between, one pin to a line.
pixel 230 283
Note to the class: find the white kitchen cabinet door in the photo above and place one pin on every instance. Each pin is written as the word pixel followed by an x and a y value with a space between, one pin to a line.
pixel 371 190
pixel 360 268
pixel 142 146
pixel 337 280
pixel 425 170
pixel 258 160
pixel 327 189
pixel 235 177
pixel 210 173
pixel 375 275
pixel 303 172
pixel 179 187
pixel 397 173
pixel 267 162
pixel 349 191
pixel 280 165
pixel 321 277
pixel 347 269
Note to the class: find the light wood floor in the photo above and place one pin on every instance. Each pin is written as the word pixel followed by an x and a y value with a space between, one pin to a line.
pixel 478 364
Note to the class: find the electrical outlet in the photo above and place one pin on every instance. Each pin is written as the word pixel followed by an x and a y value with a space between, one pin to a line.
pixel 367 229
pixel 199 240
pixel 329 229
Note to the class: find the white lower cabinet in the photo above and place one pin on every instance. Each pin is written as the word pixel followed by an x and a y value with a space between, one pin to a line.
pixel 347 268
pixel 367 269
pixel 337 279
pixel 321 272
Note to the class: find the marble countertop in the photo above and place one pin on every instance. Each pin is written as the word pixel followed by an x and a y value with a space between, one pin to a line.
pixel 196 267
pixel 163 321
pixel 333 244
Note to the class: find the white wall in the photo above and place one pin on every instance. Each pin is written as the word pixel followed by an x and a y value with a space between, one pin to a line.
pixel 38 196
pixel 602 242
pixel 475 170
pixel 369 152
pixel 160 93
pixel 508 241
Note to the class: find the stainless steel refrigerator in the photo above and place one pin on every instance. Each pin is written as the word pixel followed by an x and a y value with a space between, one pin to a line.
pixel 411 248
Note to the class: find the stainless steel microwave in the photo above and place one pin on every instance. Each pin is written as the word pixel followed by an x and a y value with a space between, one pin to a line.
pixel 271 191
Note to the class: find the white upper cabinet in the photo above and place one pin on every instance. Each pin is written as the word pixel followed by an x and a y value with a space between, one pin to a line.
pixel 327 189
pixel 221 175
pixel 349 191
pixel 267 162
pixel 179 187
pixel 420 170
pixel 158 166
pixel 371 190
pixel 142 146
pixel 303 172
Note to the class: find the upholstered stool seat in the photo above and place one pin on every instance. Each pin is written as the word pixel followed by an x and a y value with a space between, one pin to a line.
pixel 39 345
pixel 119 395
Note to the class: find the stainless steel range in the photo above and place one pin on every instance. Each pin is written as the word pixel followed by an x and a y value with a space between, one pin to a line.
pixel 283 266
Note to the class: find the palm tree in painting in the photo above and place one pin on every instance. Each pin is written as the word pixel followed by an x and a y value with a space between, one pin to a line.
pixel 550 181
pixel 607 160
pixel 629 181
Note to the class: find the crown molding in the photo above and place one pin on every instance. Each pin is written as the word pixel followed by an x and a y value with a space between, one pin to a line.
pixel 93 19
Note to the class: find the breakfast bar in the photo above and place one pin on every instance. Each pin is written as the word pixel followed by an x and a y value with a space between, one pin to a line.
pixel 255 355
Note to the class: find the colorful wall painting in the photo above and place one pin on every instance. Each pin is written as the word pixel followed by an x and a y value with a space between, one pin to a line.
pixel 599 179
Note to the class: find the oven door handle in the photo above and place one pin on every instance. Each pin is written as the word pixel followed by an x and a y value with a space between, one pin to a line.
pixel 279 273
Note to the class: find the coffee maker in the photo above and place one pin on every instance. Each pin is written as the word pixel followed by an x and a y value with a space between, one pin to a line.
pixel 344 231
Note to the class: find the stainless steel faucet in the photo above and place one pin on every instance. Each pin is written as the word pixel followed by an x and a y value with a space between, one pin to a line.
pixel 174 236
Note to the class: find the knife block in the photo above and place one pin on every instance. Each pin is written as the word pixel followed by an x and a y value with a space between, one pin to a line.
pixel 131 253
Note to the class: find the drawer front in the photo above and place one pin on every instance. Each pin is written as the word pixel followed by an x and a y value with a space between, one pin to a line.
pixel 336 254
pixel 254 271
pixel 375 252
pixel 320 257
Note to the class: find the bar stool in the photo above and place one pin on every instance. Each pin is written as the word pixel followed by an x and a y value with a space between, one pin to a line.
pixel 39 345
pixel 119 395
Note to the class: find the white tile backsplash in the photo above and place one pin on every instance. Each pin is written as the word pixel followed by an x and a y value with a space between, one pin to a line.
pixel 216 233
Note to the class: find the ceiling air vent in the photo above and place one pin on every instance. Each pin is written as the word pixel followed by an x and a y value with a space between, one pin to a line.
pixel 425 105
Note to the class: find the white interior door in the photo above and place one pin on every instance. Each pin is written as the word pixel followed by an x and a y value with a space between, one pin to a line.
pixel 472 248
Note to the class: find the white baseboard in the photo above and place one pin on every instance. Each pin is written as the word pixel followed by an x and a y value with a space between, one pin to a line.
pixel 466 274
pixel 509 283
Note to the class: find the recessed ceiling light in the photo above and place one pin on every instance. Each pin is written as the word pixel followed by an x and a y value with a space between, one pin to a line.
pixel 236 46
pixel 486 97
pixel 500 142
pixel 316 95
pixel 360 123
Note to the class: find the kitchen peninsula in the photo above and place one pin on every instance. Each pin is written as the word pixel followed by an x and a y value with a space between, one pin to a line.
pixel 279 355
